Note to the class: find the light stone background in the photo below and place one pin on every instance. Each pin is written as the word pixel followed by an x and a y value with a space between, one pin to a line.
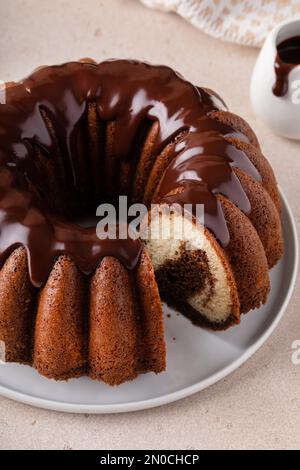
pixel 257 406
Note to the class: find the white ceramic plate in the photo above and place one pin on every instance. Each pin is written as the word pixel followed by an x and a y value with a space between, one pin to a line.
pixel 196 358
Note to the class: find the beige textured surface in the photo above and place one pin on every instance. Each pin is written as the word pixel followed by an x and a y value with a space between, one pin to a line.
pixel 259 404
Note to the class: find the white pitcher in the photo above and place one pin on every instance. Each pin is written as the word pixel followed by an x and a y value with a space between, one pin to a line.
pixel 281 114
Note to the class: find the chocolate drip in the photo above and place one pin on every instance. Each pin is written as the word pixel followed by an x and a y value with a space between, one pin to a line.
pixel 126 93
pixel 287 58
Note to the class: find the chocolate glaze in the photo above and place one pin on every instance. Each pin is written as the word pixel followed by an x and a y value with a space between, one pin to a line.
pixel 287 58
pixel 128 93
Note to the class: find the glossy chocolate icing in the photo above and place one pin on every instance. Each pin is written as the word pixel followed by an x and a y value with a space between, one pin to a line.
pixel 128 93
pixel 287 58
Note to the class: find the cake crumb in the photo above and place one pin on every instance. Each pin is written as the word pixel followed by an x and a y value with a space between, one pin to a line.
pixel 67 447
pixel 98 33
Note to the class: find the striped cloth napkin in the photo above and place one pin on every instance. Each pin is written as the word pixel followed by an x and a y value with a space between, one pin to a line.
pixel 242 21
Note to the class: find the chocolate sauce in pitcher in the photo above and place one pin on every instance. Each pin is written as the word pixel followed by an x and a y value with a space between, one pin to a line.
pixel 287 58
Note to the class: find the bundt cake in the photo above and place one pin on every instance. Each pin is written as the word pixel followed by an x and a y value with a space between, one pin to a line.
pixel 76 135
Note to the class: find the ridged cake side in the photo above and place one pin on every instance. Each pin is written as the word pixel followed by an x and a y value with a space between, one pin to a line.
pixel 108 326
